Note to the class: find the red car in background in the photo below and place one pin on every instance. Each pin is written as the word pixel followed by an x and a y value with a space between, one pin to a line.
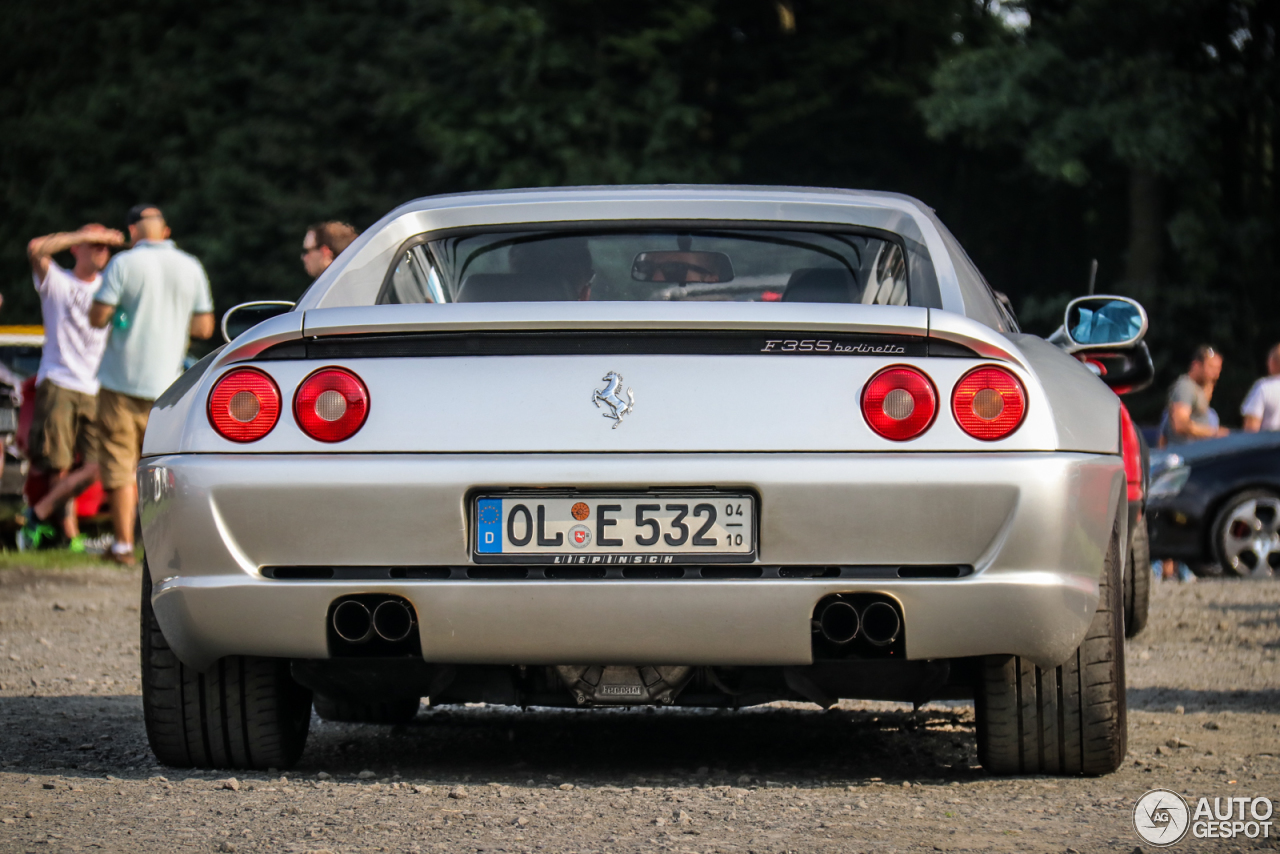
pixel 20 348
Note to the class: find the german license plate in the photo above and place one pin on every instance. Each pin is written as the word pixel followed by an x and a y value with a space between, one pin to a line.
pixel 631 528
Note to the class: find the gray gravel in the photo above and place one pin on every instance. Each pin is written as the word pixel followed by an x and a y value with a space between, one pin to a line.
pixel 76 774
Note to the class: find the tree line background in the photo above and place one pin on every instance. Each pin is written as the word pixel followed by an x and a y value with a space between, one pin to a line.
pixel 1045 133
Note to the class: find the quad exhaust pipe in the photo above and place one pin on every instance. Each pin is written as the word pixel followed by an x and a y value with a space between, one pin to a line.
pixel 354 620
pixel 841 621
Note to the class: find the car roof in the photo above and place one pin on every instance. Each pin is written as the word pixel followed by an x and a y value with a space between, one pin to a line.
pixel 357 274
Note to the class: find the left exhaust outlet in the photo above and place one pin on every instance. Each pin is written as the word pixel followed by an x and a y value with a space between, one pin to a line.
pixel 352 621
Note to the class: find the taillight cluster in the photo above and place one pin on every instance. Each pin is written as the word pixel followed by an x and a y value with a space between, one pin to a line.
pixel 900 403
pixel 330 405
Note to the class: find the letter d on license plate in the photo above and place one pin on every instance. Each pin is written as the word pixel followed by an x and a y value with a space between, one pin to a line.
pixel 630 528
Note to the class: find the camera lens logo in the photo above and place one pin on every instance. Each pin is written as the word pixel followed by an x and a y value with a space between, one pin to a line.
pixel 1161 817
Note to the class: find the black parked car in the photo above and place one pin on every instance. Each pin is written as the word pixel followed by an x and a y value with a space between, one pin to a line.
pixel 1215 505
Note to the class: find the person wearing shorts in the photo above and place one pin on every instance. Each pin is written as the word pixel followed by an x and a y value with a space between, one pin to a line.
pixel 154 298
pixel 63 423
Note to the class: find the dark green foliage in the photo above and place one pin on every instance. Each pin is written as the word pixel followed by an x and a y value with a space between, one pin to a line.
pixel 247 121
pixel 1179 95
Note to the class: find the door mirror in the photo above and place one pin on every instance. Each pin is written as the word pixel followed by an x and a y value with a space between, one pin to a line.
pixel 1104 321
pixel 247 315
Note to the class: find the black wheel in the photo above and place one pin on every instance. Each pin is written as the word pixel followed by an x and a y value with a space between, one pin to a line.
pixel 1246 534
pixel 398 711
pixel 1137 581
pixel 1066 720
pixel 244 712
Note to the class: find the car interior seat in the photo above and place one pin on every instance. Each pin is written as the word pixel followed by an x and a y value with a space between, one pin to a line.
pixel 821 284
pixel 515 287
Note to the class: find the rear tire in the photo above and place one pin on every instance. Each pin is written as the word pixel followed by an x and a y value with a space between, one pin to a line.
pixel 1137 588
pixel 1069 719
pixel 245 712
pixel 399 711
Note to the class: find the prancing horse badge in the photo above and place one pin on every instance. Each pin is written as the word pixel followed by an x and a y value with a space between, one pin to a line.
pixel 611 396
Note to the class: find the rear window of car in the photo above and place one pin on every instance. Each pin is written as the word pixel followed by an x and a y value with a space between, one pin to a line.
pixel 736 265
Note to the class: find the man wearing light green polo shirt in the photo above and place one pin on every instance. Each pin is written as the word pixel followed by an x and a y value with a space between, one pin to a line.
pixel 153 297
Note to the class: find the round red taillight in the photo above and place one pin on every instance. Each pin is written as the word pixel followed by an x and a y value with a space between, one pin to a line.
pixel 244 405
pixel 331 404
pixel 989 403
pixel 899 403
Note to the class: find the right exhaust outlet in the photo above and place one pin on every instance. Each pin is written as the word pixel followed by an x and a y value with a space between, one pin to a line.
pixel 857 625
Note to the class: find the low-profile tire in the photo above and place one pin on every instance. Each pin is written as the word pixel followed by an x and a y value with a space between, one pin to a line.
pixel 1137 587
pixel 243 712
pixel 398 711
pixel 1069 719
pixel 1256 512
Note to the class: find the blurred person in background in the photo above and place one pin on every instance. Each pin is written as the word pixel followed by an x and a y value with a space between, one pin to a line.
pixel 66 406
pixel 1261 407
pixel 1188 417
pixel 323 242
pixel 153 297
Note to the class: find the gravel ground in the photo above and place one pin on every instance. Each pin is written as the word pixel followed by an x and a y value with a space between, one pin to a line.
pixel 76 774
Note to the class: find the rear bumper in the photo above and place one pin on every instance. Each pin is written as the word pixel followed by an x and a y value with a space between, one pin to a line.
pixel 1034 527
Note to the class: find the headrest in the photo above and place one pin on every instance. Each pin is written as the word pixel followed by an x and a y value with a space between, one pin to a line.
pixel 515 287
pixel 821 284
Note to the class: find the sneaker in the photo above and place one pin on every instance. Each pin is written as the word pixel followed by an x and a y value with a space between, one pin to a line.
pixel 96 545
pixel 34 534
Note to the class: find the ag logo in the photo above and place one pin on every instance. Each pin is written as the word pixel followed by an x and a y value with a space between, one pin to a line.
pixel 1161 817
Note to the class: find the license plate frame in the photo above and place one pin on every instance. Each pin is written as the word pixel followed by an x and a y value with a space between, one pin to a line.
pixel 540 529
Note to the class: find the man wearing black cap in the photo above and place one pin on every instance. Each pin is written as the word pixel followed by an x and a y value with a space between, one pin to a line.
pixel 153 297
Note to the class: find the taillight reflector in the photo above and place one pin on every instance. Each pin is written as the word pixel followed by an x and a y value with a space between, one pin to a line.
pixel 1131 447
pixel 989 403
pixel 244 405
pixel 899 403
pixel 331 404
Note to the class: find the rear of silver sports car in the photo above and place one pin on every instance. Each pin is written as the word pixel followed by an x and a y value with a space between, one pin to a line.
pixel 710 503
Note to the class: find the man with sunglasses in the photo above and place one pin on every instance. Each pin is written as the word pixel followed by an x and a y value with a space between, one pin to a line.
pixel 323 242
pixel 66 408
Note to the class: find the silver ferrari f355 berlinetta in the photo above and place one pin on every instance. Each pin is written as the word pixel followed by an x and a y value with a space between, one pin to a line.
pixel 692 446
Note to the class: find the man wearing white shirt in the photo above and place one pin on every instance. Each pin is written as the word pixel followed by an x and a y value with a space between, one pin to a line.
pixel 1261 407
pixel 67 381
